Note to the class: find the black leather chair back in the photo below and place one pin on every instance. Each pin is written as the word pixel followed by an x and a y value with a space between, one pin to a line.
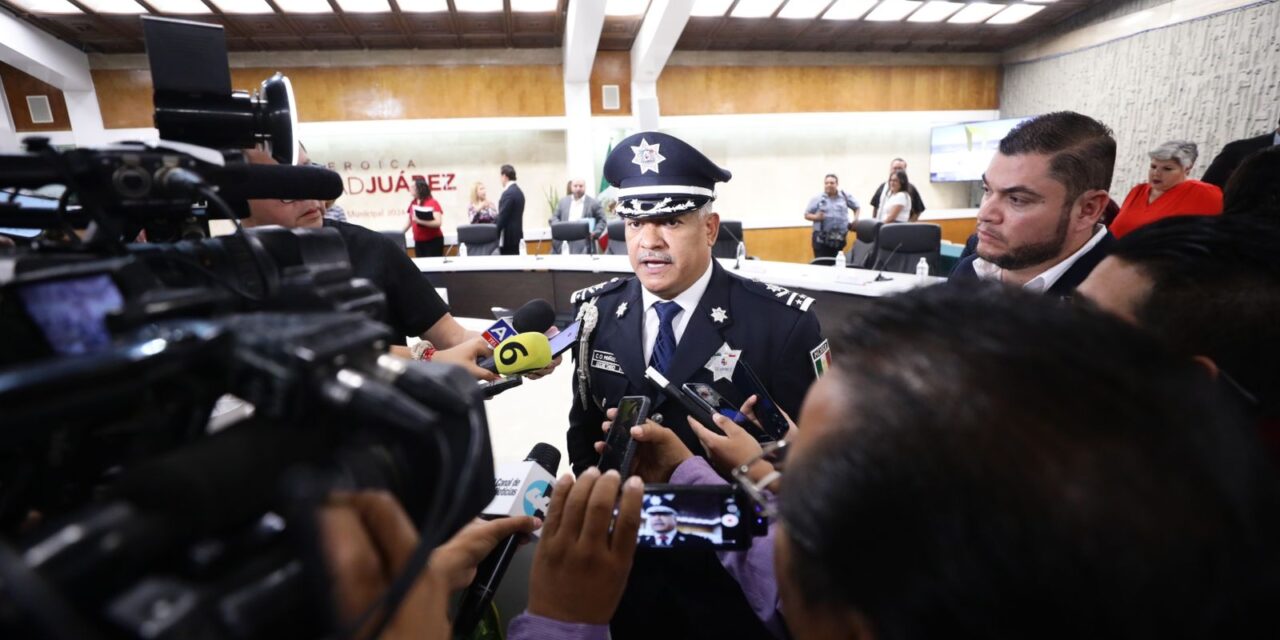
pixel 726 245
pixel 866 231
pixel 479 239
pixel 901 245
pixel 617 238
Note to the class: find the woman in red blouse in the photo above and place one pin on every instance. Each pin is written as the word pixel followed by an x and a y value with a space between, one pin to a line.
pixel 428 239
pixel 1168 192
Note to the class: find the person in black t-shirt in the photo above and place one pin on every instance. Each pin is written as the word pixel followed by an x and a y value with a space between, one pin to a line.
pixel 413 306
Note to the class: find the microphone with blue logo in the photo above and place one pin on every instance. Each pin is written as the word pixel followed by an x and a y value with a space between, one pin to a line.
pixel 522 489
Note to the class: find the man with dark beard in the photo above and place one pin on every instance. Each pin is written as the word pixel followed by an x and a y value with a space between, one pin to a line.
pixel 1044 194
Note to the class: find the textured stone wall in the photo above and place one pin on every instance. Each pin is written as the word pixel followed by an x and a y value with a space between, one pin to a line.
pixel 1212 80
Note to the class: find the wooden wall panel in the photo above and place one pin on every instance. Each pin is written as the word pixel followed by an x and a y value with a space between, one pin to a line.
pixel 611 67
pixel 791 244
pixel 689 90
pixel 368 93
pixel 17 86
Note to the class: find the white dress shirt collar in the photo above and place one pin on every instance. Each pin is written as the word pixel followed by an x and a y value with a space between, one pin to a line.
pixel 1050 276
pixel 688 301
pixel 508 184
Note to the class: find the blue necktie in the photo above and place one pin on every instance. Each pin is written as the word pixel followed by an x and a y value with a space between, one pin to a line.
pixel 664 348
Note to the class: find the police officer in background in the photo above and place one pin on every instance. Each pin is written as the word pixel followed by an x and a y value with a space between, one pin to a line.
pixel 684 315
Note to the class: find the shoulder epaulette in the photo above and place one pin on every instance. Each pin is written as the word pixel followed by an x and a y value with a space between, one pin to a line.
pixel 780 294
pixel 595 290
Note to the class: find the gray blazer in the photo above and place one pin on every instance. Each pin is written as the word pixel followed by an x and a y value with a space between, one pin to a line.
pixel 590 209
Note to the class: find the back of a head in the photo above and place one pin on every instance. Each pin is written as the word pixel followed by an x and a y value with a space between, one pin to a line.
pixel 508 171
pixel 1254 187
pixel 1215 292
pixel 1013 468
pixel 1083 150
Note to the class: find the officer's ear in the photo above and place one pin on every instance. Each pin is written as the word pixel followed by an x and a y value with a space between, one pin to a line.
pixel 711 222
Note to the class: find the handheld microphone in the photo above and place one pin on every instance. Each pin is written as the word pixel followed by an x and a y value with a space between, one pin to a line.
pixel 521 353
pixel 535 315
pixel 880 263
pixel 263 181
pixel 523 490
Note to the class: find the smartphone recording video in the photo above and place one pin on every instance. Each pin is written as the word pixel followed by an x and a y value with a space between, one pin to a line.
pixel 692 518
pixel 619 448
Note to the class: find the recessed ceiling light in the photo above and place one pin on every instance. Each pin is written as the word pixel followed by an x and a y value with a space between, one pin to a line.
pixel 47 6
pixel 365 6
pixel 625 8
pixel 976 12
pixel 422 6
pixel 1015 13
pixel 304 6
pixel 534 6
pixel 894 10
pixel 243 6
pixel 848 9
pixel 935 11
pixel 803 9
pixel 754 8
pixel 179 6
pixel 114 6
pixel 710 8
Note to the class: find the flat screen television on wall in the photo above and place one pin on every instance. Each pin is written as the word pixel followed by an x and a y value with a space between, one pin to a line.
pixel 961 152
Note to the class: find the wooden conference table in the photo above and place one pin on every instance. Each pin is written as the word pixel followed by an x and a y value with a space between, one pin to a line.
pixel 477 283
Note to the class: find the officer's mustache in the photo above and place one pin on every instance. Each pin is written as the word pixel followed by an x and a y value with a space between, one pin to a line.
pixel 654 256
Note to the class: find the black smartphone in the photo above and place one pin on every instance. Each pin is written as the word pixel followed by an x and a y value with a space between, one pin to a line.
pixel 691 406
pixel 619 448
pixel 767 412
pixel 711 401
pixel 566 338
pixel 698 518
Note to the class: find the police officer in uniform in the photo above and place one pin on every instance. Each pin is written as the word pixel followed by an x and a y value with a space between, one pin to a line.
pixel 687 317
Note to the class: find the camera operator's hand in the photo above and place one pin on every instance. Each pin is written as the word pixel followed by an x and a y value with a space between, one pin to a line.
pixel 580 568
pixel 367 539
pixel 465 355
pixel 658 449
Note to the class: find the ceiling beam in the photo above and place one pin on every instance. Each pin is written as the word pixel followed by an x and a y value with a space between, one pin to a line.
pixel 581 39
pixel 43 56
pixel 657 38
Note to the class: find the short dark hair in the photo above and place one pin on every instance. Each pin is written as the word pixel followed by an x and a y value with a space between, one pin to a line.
pixel 508 171
pixel 1082 150
pixel 831 175
pixel 1253 187
pixel 421 189
pixel 1015 468
pixel 1215 292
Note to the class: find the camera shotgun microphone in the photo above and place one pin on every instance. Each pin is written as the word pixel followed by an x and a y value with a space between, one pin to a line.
pixel 523 489
pixel 881 263
pixel 274 181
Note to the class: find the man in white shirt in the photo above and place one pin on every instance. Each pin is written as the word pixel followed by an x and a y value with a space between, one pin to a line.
pixel 1044 195
pixel 576 206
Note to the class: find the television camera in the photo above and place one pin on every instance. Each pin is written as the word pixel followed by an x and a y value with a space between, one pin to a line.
pixel 172 413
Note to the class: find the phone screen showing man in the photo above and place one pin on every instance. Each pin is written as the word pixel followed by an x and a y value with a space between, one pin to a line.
pixel 692 518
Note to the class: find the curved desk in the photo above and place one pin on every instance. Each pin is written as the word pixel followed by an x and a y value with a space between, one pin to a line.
pixel 477 283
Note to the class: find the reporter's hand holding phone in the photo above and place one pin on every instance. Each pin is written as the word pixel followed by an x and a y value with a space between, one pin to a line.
pixel 737 446
pixel 658 449
pixel 580 568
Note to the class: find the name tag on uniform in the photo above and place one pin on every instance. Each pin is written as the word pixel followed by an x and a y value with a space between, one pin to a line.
pixel 606 361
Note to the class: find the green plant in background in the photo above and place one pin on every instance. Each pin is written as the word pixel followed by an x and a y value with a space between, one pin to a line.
pixel 553 199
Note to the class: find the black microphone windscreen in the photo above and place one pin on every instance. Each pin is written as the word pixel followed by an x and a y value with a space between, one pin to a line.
pixel 266 181
pixel 536 315
pixel 547 457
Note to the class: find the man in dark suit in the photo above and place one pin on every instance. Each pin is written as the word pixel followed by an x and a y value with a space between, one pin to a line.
pixel 1045 193
pixel 580 206
pixel 662 521
pixel 691 320
pixel 510 212
pixel 1220 170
